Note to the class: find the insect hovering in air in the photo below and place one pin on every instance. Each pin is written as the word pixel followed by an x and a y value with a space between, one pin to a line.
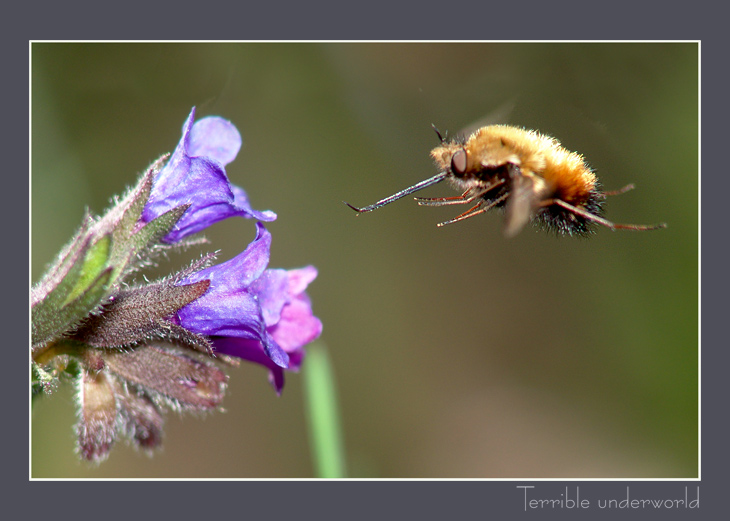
pixel 529 174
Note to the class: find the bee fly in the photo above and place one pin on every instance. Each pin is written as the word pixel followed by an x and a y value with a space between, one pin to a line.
pixel 532 176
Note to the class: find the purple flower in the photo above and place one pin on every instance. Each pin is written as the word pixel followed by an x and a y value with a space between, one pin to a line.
pixel 195 175
pixel 252 313
pixel 289 321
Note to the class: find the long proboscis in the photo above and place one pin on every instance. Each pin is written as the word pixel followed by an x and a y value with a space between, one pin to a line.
pixel 411 189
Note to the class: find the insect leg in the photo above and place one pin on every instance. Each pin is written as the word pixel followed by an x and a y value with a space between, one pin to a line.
pixel 443 201
pixel 623 190
pixel 601 220
pixel 468 196
pixel 474 210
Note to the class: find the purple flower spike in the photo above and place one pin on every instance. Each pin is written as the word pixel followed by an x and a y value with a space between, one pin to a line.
pixel 195 175
pixel 135 349
pixel 230 307
pixel 287 312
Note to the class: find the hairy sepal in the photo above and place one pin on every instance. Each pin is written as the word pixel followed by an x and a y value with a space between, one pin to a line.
pixel 170 376
pixel 83 286
pixel 142 313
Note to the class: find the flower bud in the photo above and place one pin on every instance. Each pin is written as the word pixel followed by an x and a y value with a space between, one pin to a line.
pixel 96 428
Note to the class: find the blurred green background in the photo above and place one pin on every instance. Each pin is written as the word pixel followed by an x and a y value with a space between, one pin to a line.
pixel 458 353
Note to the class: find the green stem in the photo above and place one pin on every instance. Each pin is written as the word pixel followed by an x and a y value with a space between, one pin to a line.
pixel 325 434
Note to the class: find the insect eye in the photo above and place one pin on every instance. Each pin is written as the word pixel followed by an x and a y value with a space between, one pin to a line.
pixel 458 162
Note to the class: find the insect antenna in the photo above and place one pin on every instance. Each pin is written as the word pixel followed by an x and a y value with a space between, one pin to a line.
pixel 418 186
pixel 441 138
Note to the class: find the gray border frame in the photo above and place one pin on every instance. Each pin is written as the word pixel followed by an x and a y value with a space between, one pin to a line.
pixel 372 20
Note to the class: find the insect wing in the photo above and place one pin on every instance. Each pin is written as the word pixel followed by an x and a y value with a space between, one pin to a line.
pixel 521 203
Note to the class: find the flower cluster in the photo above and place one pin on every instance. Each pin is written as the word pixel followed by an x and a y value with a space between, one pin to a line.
pixel 136 349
